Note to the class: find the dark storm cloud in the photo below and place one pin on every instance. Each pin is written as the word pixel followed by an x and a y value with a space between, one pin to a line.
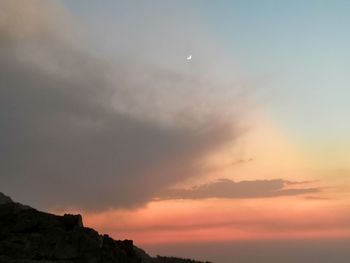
pixel 226 188
pixel 63 142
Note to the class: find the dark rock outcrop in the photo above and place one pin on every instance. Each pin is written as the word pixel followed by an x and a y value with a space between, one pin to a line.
pixel 27 235
pixel 4 199
pixel 30 236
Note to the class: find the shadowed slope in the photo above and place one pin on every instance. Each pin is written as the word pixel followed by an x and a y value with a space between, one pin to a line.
pixel 28 235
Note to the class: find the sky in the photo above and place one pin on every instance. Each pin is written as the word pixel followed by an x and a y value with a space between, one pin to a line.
pixel 240 153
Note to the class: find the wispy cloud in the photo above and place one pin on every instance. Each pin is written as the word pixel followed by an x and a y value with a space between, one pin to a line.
pixel 226 188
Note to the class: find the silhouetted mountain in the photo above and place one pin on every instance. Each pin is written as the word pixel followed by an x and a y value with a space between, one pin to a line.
pixel 30 236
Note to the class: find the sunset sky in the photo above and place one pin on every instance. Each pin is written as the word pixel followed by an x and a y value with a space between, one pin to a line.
pixel 237 155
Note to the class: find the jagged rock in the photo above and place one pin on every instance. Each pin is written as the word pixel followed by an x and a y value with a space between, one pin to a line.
pixel 71 221
pixel 30 236
pixel 145 258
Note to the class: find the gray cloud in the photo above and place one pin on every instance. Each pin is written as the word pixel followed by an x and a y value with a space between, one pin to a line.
pixel 76 132
pixel 226 188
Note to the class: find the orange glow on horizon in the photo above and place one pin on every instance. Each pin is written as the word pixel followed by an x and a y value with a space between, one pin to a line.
pixel 223 220
pixel 325 215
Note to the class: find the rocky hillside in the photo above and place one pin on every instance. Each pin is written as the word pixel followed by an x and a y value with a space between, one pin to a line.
pixel 28 236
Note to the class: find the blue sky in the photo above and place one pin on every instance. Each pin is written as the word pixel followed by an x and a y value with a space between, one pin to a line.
pixel 299 50
pixel 302 49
